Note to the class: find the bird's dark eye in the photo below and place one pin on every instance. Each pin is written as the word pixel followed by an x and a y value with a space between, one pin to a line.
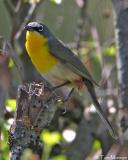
pixel 40 28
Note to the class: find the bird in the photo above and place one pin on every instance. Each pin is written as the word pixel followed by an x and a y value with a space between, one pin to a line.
pixel 59 65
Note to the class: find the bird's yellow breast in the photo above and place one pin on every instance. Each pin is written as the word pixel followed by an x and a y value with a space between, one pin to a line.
pixel 38 50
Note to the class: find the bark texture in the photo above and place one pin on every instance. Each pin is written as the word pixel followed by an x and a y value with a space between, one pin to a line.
pixel 35 110
pixel 121 34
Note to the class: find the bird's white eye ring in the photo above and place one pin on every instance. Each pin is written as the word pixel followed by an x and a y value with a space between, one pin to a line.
pixel 41 28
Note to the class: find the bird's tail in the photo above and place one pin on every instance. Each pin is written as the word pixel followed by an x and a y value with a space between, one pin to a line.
pixel 102 115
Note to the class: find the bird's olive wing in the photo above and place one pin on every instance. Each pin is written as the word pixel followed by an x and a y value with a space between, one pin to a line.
pixel 65 55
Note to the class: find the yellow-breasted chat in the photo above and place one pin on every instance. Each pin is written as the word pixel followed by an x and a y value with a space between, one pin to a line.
pixel 59 65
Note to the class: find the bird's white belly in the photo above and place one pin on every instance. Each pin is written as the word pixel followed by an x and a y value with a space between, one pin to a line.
pixel 59 74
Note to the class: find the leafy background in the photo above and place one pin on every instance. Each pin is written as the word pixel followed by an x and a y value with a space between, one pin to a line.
pixel 92 27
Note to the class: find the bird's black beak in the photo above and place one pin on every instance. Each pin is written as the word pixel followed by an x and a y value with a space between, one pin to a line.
pixel 28 28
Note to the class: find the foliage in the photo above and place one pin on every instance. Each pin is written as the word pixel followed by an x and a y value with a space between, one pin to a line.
pixel 4 155
pixel 49 140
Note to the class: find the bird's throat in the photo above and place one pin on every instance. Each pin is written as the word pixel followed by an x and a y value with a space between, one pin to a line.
pixel 38 50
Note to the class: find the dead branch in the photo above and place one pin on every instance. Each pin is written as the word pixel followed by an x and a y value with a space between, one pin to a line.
pixel 35 110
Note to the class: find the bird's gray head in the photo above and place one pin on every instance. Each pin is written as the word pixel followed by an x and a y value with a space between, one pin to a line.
pixel 39 28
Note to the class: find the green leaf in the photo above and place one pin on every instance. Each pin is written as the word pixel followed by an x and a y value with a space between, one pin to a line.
pixel 11 63
pixel 60 157
pixel 50 138
pixel 11 103
pixel 96 145
pixel 111 51
pixel 4 147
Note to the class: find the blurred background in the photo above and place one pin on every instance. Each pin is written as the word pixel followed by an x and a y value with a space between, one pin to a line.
pixel 85 26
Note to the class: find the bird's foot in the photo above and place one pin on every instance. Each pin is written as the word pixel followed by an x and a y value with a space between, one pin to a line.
pixel 66 99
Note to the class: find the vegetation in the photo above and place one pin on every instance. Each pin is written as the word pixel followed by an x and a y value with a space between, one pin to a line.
pixel 88 28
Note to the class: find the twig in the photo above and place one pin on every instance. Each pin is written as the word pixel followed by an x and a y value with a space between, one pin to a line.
pixel 16 60
pixel 80 27
pixel 95 38
pixel 29 15
pixel 18 5
pixel 9 6
pixel 27 18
